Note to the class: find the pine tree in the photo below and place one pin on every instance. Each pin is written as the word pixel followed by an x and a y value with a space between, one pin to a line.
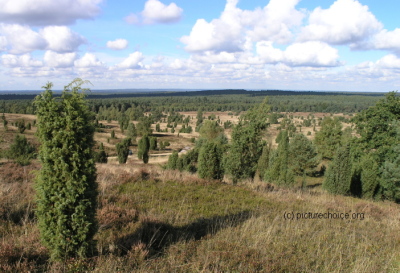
pixel 210 161
pixel 302 154
pixel 173 160
pixel 340 172
pixel 66 184
pixel 263 162
pixel 369 176
pixel 143 149
pixel 328 139
pixel 101 156
pixel 279 171
pixel 153 143
pixel 123 150
pixel 246 146
pixel 21 150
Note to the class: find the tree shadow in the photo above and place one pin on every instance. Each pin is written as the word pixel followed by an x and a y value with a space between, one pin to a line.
pixel 158 236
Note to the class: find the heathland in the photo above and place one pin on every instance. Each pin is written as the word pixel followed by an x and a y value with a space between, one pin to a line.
pixel 192 208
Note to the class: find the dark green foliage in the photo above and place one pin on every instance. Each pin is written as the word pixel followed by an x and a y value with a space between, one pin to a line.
pixel 29 126
pixel 369 176
pixel 173 160
pixel 21 150
pixel 302 154
pixel 210 130
pixel 378 128
pixel 131 132
pixel 340 172
pixel 158 129
pixel 112 134
pixel 66 184
pixel 279 172
pixel 263 162
pixel 123 150
pixel 246 146
pixel 199 117
pixel 391 177
pixel 329 138
pixel 144 126
pixel 143 149
pixel 153 143
pixel 21 126
pixel 101 155
pixel 210 161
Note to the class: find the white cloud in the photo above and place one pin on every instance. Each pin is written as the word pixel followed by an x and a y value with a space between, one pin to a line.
pixel 3 43
pixel 87 61
pixel 210 57
pixel 132 62
pixel 344 22
pixel 47 12
pixel 25 60
pixel 21 39
pixel 389 62
pixel 118 44
pixel 61 38
pixel 236 29
pixel 384 40
pixel 157 12
pixel 311 54
pixel 54 59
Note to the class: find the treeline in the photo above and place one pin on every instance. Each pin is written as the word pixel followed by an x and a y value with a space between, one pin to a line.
pixel 367 166
pixel 223 100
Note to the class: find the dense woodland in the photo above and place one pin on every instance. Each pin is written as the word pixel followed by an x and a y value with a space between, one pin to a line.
pixel 222 100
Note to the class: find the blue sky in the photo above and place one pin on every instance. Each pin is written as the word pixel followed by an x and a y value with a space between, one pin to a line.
pixel 343 45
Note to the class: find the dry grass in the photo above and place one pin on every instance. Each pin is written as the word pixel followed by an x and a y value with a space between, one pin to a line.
pixel 154 220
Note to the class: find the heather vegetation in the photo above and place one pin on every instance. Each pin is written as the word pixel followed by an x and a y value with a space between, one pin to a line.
pixel 179 188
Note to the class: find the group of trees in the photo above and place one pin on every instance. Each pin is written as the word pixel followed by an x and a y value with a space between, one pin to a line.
pixel 368 166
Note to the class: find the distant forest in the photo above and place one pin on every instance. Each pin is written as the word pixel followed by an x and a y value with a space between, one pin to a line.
pixel 234 101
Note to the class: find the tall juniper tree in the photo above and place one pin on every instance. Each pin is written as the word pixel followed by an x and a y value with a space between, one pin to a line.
pixel 66 184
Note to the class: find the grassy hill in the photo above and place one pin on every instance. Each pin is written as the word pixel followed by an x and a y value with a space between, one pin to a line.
pixel 154 220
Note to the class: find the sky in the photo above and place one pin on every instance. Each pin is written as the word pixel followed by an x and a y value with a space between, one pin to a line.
pixel 342 45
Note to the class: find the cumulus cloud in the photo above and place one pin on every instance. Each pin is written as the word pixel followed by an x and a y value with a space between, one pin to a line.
pixel 118 44
pixel 25 60
pixel 22 39
pixel 53 59
pixel 344 22
pixel 156 12
pixel 87 61
pixel 312 54
pixel 384 40
pixel 236 29
pixel 61 38
pixel 132 62
pixel 45 12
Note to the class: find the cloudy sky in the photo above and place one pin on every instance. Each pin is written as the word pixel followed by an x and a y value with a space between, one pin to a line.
pixel 252 44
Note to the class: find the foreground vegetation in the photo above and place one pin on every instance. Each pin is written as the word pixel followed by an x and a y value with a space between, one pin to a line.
pixel 154 220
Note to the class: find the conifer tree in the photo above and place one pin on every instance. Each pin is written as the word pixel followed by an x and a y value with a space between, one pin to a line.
pixel 246 146
pixel 279 171
pixel 340 172
pixel 143 149
pixel 173 160
pixel 210 161
pixel 66 184
pixel 123 150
